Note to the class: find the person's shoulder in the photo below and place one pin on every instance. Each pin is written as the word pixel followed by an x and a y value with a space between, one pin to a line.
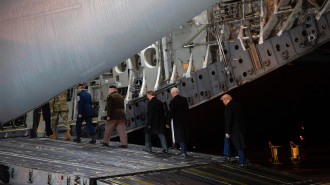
pixel 233 102
pixel 86 93
pixel 174 99
pixel 116 95
pixel 157 100
pixel 182 98
pixel 119 95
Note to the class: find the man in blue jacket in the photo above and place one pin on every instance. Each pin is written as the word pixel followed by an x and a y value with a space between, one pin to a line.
pixel 85 112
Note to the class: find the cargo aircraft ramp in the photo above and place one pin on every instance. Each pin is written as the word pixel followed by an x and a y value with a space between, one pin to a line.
pixel 44 161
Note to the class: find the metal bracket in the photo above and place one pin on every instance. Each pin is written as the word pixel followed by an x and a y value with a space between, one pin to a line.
pixel 30 177
pixel 12 173
pixel 49 182
pixel 68 180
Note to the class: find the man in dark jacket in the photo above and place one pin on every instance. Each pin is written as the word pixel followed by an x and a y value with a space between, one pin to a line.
pixel 234 128
pixel 84 113
pixel 44 110
pixel 179 112
pixel 115 117
pixel 4 174
pixel 156 122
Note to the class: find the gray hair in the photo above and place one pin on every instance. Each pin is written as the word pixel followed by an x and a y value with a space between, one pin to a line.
pixel 175 90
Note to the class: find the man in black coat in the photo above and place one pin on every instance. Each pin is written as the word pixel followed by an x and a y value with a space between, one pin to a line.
pixel 4 174
pixel 179 112
pixel 156 122
pixel 235 128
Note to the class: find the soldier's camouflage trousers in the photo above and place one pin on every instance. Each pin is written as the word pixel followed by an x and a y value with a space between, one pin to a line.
pixel 55 117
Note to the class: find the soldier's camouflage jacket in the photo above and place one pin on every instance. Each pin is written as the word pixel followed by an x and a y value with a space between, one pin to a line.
pixel 59 102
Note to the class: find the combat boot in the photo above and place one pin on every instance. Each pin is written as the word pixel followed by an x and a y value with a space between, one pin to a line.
pixel 93 141
pixel 68 135
pixel 54 136
pixel 77 140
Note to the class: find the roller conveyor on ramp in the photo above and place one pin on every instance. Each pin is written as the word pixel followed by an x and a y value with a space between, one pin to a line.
pixel 45 161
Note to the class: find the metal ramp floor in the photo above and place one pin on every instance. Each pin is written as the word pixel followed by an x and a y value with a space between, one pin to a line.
pixel 45 161
pixel 224 173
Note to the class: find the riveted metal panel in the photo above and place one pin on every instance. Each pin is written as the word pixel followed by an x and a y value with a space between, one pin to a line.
pixel 283 47
pixel 311 30
pixel 130 116
pixel 226 49
pixel 240 61
pixel 24 175
pixel 226 81
pixel 140 112
pixel 267 55
pixel 204 84
pixel 299 39
pixel 189 89
pixel 165 97
pixel 214 78
pixel 323 29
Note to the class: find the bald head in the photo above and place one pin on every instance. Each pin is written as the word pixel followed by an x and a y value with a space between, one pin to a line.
pixel 226 98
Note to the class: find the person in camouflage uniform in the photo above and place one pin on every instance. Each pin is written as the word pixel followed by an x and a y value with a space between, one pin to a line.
pixel 59 107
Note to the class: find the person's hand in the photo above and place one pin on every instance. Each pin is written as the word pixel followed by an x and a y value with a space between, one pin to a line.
pixel 108 118
pixel 227 135
pixel 51 111
pixel 79 116
pixel 167 126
